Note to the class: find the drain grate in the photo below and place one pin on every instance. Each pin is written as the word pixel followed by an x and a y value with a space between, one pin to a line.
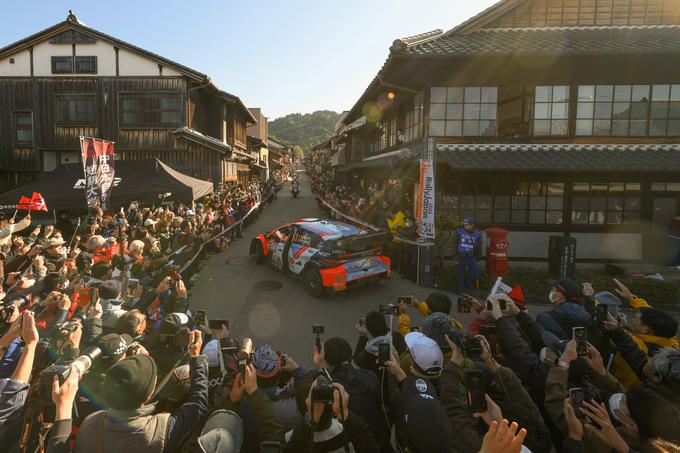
pixel 268 285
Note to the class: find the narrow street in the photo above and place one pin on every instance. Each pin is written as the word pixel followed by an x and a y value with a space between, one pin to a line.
pixel 273 307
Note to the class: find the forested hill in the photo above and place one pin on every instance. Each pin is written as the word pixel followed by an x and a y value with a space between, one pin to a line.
pixel 306 129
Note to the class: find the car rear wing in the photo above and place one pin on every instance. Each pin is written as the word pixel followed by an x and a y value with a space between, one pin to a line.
pixel 361 242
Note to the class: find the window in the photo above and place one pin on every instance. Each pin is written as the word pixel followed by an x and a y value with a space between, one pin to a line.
pixel 151 110
pixel 613 110
pixel 86 65
pixel 23 128
pixel 62 65
pixel 503 202
pixel 665 110
pixel 74 110
pixel 613 203
pixel 239 131
pixel 414 118
pixel 551 110
pixel 666 187
pixel 463 111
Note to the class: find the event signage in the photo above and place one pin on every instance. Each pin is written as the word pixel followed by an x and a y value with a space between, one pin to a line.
pixel 99 168
pixel 425 210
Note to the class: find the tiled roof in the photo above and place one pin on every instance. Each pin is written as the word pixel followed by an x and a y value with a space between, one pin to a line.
pixel 567 157
pixel 202 139
pixel 555 40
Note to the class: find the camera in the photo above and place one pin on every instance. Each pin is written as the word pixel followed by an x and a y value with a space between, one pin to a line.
pixel 388 309
pixel 244 354
pixel 404 300
pixel 65 329
pixel 323 390
pixel 468 345
pixel 464 304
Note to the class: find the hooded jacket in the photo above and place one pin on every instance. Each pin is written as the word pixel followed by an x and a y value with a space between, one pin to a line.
pixel 560 320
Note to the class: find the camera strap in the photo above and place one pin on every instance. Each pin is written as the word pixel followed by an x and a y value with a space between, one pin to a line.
pixel 100 433
pixel 167 377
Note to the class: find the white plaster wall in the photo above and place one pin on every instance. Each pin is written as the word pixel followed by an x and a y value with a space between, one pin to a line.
pixel 624 246
pixel 603 246
pixel 20 67
pixel 106 57
pixel 129 63
pixel 42 58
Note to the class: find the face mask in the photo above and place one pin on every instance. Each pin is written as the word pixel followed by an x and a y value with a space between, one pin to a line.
pixel 615 404
pixel 552 298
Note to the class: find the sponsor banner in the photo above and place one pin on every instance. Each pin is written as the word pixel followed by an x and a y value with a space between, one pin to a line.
pixel 425 211
pixel 99 168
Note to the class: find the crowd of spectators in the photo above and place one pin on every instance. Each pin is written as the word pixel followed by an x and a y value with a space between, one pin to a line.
pixel 381 204
pixel 103 352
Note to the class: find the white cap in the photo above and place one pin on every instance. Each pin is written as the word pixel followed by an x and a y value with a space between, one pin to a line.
pixel 148 222
pixel 425 353
pixel 211 351
pixel 190 212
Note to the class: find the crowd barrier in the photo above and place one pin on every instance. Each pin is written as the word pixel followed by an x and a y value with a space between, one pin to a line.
pixel 368 225
pixel 186 265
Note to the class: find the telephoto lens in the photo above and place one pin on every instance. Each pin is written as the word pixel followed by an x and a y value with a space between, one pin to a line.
pixel 83 363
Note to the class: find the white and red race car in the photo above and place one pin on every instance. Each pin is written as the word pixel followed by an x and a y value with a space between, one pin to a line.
pixel 328 255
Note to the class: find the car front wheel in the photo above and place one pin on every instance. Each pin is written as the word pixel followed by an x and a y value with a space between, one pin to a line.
pixel 256 252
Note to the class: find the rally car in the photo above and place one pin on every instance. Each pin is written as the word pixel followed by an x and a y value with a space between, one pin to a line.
pixel 328 255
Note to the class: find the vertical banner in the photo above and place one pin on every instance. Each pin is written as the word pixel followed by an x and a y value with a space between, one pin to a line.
pixel 99 168
pixel 425 211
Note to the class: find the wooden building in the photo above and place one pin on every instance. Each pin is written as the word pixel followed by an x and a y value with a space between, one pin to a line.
pixel 70 80
pixel 546 117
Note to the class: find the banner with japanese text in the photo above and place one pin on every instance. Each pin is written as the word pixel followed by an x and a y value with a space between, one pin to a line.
pixel 425 211
pixel 99 168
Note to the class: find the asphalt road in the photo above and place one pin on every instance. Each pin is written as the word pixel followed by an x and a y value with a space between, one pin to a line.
pixel 274 308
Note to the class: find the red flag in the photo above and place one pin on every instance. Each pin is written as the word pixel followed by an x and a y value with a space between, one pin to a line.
pixel 24 203
pixel 38 202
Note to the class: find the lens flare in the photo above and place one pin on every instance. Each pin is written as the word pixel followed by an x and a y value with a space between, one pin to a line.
pixel 264 320
pixel 391 95
pixel 372 112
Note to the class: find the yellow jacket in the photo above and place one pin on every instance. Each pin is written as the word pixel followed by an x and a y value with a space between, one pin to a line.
pixel 398 221
pixel 620 369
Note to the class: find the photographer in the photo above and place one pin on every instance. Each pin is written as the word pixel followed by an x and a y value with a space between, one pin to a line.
pixel 14 390
pixel 129 423
pixel 374 332
pixel 330 425
pixel 361 386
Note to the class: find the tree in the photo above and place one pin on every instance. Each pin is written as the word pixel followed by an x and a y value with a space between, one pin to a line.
pixel 298 151
pixel 304 130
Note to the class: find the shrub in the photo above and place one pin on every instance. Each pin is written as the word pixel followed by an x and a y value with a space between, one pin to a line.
pixel 533 282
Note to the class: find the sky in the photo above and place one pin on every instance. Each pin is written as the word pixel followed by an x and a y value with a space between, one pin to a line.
pixel 285 56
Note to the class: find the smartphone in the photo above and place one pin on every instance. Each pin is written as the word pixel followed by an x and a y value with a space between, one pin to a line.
pixel 601 312
pixel 404 300
pixel 201 318
pixel 463 305
pixel 270 447
pixel 581 337
pixel 387 309
pixel 476 391
pixel 216 324
pixel 133 283
pixel 577 397
pixel 416 329
pixel 383 353
pixel 472 345
pixel 84 296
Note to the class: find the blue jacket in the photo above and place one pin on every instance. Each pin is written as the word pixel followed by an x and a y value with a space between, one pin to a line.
pixel 560 320
pixel 468 241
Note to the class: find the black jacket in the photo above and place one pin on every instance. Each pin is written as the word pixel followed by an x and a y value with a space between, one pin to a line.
pixel 355 428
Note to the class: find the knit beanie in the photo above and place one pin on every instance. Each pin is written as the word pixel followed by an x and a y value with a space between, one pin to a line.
pixel 266 361
pixel 436 326
pixel 337 351
pixel 375 323
pixel 129 383
pixel 439 303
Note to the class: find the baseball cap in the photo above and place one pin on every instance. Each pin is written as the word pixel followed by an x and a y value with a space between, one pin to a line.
pixel 609 299
pixel 426 354
pixel 572 291
pixel 149 222
pixel 114 346
pixel 222 433
pixel 468 221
